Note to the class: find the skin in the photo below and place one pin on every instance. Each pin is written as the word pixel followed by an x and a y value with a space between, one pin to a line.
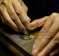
pixel 15 15
pixel 38 22
pixel 48 37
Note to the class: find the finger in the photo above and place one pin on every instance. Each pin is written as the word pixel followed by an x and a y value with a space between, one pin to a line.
pixel 55 52
pixel 47 37
pixel 21 13
pixel 38 22
pixel 23 6
pixel 43 31
pixel 49 22
pixel 16 19
pixel 53 43
pixel 7 18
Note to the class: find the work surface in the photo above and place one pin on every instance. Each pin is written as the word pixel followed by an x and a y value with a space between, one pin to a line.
pixel 17 39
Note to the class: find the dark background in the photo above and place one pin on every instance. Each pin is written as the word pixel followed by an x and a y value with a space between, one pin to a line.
pixel 40 8
pixel 37 9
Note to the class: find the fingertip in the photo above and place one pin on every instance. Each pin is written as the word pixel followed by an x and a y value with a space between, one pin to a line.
pixel 34 52
pixel 41 54
pixel 25 32
pixel 29 19
pixel 16 30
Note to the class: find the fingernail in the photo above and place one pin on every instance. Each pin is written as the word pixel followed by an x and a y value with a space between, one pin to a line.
pixel 25 32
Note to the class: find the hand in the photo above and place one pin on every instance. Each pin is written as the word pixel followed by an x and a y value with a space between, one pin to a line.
pixel 48 39
pixel 14 14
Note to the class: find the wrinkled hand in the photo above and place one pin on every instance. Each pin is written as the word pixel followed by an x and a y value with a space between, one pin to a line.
pixel 48 39
pixel 14 14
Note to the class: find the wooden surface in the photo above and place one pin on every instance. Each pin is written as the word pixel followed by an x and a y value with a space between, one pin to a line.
pixel 17 39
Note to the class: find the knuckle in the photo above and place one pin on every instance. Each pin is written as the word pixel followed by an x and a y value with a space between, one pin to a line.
pixel 24 6
pixel 54 14
pixel 26 9
pixel 14 19
pixel 6 21
pixel 13 13
pixel 2 8
pixel 6 2
pixel 48 36
pixel 25 21
pixel 56 40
